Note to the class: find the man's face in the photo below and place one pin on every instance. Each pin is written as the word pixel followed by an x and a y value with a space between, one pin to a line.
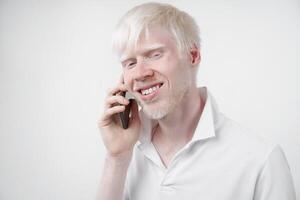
pixel 156 74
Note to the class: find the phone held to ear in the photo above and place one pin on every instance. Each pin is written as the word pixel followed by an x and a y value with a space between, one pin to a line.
pixel 125 115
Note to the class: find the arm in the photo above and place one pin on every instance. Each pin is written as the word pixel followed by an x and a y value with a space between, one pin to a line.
pixel 275 180
pixel 119 143
pixel 114 176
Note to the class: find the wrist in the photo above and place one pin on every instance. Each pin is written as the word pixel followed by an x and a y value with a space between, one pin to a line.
pixel 123 158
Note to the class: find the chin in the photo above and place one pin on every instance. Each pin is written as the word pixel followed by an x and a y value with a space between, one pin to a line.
pixel 163 107
pixel 155 114
pixel 158 111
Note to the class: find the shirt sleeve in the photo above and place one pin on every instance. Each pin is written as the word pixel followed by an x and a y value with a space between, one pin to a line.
pixel 275 181
pixel 125 193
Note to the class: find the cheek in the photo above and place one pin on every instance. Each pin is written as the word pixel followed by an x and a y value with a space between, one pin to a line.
pixel 127 79
pixel 174 70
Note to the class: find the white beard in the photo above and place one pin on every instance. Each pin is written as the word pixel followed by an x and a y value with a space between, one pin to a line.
pixel 167 105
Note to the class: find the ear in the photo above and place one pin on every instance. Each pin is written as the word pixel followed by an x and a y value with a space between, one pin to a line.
pixel 195 56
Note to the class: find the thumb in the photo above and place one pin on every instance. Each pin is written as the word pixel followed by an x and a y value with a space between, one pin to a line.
pixel 134 112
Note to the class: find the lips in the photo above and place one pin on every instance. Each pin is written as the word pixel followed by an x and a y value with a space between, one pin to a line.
pixel 139 89
pixel 149 92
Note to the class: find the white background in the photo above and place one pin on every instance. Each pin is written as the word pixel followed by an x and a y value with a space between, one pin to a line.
pixel 56 65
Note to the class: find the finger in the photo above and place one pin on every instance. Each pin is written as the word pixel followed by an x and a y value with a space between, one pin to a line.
pixel 108 114
pixel 134 112
pixel 114 110
pixel 115 90
pixel 114 100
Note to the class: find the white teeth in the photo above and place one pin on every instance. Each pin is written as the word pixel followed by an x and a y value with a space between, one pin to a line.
pixel 150 90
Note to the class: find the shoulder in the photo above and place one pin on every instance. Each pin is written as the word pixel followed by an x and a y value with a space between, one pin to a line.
pixel 244 141
pixel 258 157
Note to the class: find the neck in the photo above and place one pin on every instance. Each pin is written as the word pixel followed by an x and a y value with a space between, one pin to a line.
pixel 177 128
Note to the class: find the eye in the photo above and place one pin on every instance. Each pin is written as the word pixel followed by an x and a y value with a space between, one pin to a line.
pixel 155 55
pixel 130 65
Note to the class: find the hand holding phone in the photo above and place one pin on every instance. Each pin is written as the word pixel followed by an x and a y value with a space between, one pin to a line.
pixel 119 123
pixel 125 115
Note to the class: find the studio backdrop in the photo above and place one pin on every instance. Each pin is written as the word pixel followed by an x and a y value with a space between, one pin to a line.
pixel 56 65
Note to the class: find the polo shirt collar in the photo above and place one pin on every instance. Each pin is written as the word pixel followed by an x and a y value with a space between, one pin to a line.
pixel 206 126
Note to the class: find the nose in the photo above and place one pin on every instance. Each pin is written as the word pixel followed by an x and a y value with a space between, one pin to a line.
pixel 142 72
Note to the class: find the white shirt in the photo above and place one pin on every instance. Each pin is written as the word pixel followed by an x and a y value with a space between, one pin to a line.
pixel 223 161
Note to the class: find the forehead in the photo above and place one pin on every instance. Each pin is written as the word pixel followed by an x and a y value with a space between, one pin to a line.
pixel 151 39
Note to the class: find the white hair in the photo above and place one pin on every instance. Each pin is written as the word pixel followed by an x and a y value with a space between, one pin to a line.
pixel 181 26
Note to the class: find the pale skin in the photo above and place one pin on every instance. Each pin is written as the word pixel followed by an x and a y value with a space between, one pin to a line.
pixel 156 58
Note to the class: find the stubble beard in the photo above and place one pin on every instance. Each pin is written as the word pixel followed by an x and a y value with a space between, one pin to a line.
pixel 162 108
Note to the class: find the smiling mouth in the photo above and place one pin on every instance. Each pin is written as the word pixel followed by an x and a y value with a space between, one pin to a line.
pixel 150 90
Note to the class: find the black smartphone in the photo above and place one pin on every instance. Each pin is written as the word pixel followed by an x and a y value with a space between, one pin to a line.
pixel 125 115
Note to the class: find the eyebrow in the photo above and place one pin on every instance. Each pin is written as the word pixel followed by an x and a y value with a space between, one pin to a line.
pixel 144 51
